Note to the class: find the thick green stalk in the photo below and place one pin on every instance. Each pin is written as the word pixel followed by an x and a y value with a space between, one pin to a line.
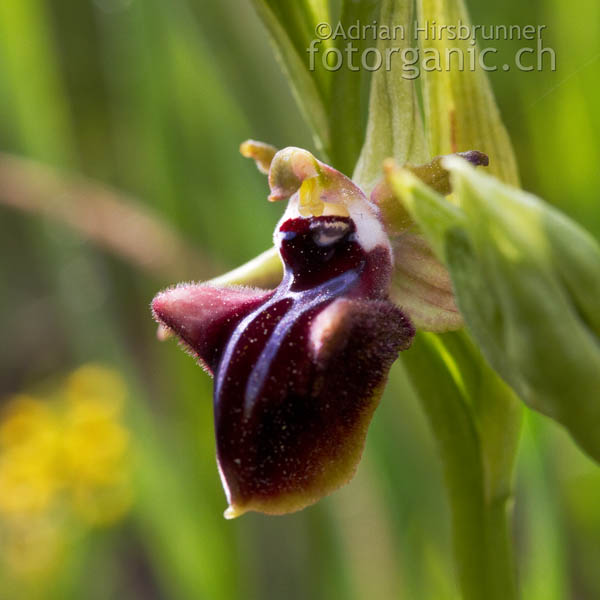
pixel 479 492
pixel 461 114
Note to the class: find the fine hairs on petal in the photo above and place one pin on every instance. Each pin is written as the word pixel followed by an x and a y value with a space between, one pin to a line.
pixel 298 370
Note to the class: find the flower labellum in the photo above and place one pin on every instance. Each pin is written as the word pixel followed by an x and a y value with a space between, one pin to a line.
pixel 298 370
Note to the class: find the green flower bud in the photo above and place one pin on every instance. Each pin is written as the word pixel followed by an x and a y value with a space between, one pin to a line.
pixel 527 282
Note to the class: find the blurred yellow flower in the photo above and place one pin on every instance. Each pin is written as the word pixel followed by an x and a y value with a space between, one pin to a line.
pixel 32 546
pixel 99 385
pixel 63 459
pixel 29 454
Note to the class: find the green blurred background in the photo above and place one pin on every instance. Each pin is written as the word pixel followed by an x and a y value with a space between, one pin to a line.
pixel 152 98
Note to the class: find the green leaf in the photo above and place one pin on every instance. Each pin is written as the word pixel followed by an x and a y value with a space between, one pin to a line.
pixel 289 24
pixel 526 280
pixel 540 276
pixel 460 110
pixel 574 252
pixel 395 127
pixel 429 210
pixel 299 20
pixel 330 98
pixel 345 106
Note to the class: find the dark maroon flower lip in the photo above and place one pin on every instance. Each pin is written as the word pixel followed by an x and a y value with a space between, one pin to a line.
pixel 298 370
pixel 314 251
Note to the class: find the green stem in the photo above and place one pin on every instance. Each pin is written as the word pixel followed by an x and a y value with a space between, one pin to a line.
pixel 476 470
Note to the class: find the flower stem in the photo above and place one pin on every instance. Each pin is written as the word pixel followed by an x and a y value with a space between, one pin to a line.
pixel 474 421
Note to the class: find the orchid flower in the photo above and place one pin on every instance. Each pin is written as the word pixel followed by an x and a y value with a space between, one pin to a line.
pixel 298 370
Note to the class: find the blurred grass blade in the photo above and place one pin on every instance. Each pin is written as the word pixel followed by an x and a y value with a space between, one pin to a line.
pixel 99 214
pixel 395 127
pixel 460 110
pixel 187 544
pixel 39 117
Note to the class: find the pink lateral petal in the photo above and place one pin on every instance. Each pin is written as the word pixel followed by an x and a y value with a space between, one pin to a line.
pixel 202 316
